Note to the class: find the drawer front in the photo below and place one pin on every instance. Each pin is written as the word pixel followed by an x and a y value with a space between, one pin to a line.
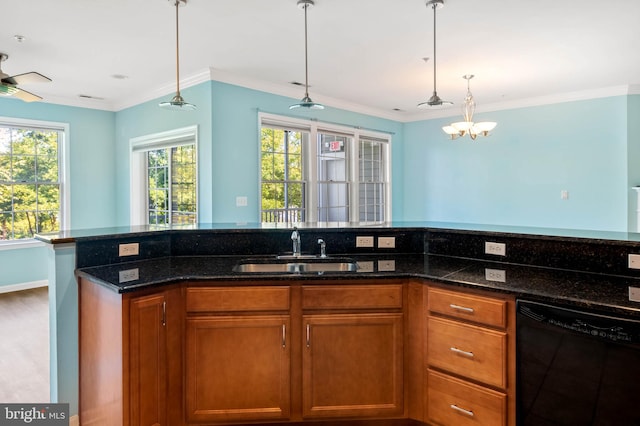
pixel 455 402
pixel 352 297
pixel 237 299
pixel 483 310
pixel 467 350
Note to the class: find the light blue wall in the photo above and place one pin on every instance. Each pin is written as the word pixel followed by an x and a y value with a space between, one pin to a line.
pixel 589 148
pixel 227 117
pixel 149 118
pixel 633 157
pixel 92 157
pixel 515 176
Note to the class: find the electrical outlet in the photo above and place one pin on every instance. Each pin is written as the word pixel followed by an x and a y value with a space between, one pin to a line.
pixel 634 294
pixel 386 265
pixel 130 249
pixel 241 201
pixel 634 261
pixel 128 275
pixel 364 241
pixel 365 266
pixel 497 275
pixel 387 242
pixel 499 249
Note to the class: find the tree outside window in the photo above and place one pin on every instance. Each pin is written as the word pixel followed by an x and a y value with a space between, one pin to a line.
pixel 29 182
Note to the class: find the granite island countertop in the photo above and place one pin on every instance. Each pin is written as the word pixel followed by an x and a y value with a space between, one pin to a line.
pixel 574 288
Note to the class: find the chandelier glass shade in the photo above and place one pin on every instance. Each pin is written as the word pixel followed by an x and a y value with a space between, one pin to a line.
pixel 468 126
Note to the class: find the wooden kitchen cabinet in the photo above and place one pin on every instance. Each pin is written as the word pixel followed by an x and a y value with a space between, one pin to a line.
pixel 470 358
pixel 352 363
pixel 238 354
pixel 130 360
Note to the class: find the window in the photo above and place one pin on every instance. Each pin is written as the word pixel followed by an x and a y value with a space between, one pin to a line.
pixel 316 172
pixel 31 178
pixel 164 178
pixel 282 185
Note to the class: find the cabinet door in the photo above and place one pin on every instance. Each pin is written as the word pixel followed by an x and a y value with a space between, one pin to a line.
pixel 353 365
pixel 238 368
pixel 148 360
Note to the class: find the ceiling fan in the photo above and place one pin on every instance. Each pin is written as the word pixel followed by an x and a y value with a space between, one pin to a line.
pixel 9 84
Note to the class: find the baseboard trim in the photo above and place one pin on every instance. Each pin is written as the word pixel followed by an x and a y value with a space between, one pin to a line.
pixel 23 286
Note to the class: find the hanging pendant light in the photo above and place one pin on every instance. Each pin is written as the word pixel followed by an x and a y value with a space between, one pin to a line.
pixel 468 127
pixel 306 102
pixel 434 101
pixel 177 103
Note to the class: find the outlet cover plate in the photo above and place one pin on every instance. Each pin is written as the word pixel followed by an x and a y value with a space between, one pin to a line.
pixel 130 249
pixel 499 249
pixel 364 241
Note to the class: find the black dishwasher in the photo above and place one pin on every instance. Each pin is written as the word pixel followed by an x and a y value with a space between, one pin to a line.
pixel 576 367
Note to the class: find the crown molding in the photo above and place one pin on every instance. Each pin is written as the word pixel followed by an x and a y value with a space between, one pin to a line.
pixel 557 98
pixel 212 74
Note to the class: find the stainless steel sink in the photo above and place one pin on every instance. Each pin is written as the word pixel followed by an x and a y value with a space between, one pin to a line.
pixel 289 265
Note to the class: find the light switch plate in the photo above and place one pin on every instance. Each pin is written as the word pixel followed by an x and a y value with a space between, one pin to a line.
pixel 387 242
pixel 386 265
pixel 634 261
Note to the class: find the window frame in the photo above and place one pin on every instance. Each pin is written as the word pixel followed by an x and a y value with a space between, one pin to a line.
pixel 310 161
pixel 138 185
pixel 64 180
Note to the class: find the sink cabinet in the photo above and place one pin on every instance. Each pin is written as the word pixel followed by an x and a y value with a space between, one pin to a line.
pixel 352 363
pixel 221 353
pixel 238 354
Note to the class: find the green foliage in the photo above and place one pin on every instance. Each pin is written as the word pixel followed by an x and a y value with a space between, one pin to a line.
pixel 180 162
pixel 29 182
pixel 281 170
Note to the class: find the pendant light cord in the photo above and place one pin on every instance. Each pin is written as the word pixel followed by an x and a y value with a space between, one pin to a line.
pixel 434 47
pixel 306 60
pixel 177 50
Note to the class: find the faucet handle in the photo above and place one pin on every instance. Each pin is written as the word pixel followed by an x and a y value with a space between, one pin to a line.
pixel 323 247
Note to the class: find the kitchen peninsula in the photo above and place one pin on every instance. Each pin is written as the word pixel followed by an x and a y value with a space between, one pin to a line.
pixel 153 314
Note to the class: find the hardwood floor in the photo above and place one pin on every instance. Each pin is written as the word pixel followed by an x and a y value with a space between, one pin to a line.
pixel 24 346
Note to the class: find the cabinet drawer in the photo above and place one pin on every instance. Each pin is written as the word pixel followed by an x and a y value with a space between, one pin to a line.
pixel 468 350
pixel 352 297
pixel 237 299
pixel 478 309
pixel 455 402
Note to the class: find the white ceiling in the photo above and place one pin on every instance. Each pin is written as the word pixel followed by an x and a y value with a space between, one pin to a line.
pixel 363 53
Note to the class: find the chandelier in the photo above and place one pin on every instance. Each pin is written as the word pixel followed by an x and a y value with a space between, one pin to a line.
pixel 468 127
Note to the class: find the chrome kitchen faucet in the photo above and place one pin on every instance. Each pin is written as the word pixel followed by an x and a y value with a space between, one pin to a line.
pixel 295 237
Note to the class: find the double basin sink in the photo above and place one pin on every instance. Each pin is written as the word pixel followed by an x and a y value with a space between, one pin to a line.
pixel 291 264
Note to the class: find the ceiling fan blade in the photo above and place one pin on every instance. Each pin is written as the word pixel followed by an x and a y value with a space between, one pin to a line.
pixel 26 96
pixel 27 78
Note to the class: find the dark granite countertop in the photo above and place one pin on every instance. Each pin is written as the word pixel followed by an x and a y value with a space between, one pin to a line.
pixel 584 290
